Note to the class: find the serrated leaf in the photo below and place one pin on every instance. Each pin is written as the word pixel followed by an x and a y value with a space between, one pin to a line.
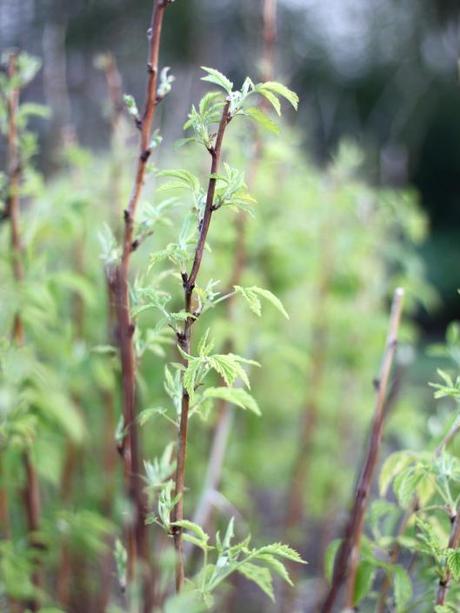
pixel 262 119
pixel 282 90
pixel 251 295
pixel 283 551
pixel 393 465
pixel 182 179
pixel 234 395
pixel 216 77
pixel 453 562
pixel 271 98
pixel 402 588
pixel 405 485
pixel 276 566
pixel 260 576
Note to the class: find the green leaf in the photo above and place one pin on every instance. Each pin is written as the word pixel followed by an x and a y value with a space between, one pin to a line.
pixel 205 346
pixel 364 579
pixel 262 119
pixel 182 179
pixel 453 562
pixel 234 395
pixel 402 588
pixel 282 90
pixel 405 485
pixel 192 527
pixel 329 558
pixel 191 377
pixel 283 551
pixel 276 566
pixel 392 466
pixel 270 98
pixel 260 576
pixel 251 295
pixel 216 77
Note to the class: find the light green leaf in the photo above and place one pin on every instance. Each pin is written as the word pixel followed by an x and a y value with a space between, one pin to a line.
pixel 192 527
pixel 453 562
pixel 283 551
pixel 234 395
pixel 329 558
pixel 392 466
pixel 262 119
pixel 260 576
pixel 282 90
pixel 276 566
pixel 402 588
pixel 270 98
pixel 216 77
pixel 405 485
pixel 364 579
pixel 251 295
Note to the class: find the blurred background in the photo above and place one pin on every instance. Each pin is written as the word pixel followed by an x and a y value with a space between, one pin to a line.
pixel 381 71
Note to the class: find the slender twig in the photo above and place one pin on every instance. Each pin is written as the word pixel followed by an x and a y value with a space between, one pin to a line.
pixel 347 558
pixel 223 426
pixel 448 438
pixel 454 542
pixel 137 545
pixel 184 341
pixel 31 494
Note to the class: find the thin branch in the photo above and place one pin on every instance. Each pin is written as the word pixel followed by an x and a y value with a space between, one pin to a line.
pixel 31 494
pixel 137 546
pixel 454 542
pixel 347 558
pixel 225 413
pixel 448 438
pixel 184 340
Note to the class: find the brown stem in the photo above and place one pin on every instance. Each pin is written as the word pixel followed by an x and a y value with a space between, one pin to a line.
pixel 224 420
pixel 137 545
pixel 346 562
pixel 454 542
pixel 31 495
pixel 184 341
